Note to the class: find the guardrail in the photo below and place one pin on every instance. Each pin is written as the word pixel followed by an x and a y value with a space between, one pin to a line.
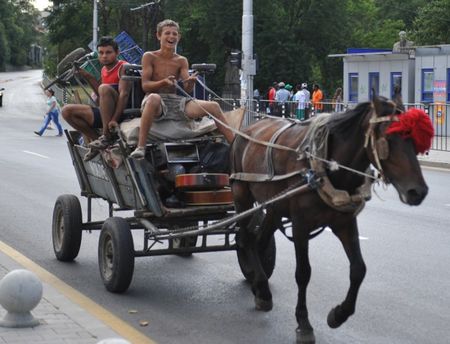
pixel 438 113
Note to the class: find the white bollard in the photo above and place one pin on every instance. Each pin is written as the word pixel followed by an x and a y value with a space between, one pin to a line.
pixel 20 292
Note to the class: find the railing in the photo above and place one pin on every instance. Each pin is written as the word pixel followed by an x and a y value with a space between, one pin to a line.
pixel 437 112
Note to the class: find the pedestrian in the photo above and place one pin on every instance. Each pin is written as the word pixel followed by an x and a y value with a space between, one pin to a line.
pixel 317 98
pixel 281 97
pixel 289 104
pixel 337 100
pixel 301 97
pixel 271 97
pixel 52 114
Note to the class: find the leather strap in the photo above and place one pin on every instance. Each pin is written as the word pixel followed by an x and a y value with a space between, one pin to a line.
pixel 262 177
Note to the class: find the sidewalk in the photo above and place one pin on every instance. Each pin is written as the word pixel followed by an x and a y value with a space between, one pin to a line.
pixel 436 158
pixel 66 316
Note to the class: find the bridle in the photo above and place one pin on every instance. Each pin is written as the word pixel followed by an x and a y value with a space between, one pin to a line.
pixel 379 146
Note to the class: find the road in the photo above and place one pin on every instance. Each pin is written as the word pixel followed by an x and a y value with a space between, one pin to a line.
pixel 405 296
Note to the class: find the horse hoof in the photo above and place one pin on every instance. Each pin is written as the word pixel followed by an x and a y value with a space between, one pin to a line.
pixel 331 319
pixel 305 336
pixel 263 305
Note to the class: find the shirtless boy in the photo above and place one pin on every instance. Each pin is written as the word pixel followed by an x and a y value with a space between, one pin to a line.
pixel 161 70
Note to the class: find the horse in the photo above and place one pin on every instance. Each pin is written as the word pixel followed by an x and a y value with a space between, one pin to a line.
pixel 274 155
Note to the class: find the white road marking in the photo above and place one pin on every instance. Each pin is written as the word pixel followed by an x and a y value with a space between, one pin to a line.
pixel 360 237
pixel 36 154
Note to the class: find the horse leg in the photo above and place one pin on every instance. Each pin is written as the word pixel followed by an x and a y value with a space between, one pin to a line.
pixel 248 241
pixel 304 331
pixel 348 235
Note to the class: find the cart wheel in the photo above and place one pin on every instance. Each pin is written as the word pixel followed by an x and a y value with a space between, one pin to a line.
pixel 70 58
pixel 66 227
pixel 267 257
pixel 116 255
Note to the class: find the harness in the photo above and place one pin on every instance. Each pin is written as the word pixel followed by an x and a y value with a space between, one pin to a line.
pixel 314 148
pixel 340 200
pixel 379 147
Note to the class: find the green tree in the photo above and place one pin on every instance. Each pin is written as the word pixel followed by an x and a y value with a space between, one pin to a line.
pixel 431 25
pixel 406 11
pixel 292 38
pixel 69 25
pixel 18 20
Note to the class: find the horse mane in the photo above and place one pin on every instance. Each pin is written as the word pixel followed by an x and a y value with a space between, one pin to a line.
pixel 344 122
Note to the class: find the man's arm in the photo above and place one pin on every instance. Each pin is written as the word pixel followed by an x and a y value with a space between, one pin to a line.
pixel 149 85
pixel 91 80
pixel 188 80
pixel 124 93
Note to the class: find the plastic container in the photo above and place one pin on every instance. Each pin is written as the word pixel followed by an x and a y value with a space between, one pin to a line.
pixel 129 50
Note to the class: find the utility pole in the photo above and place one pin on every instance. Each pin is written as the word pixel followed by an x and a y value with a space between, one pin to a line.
pixel 248 63
pixel 95 26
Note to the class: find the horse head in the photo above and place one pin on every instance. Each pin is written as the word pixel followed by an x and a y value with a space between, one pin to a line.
pixel 393 140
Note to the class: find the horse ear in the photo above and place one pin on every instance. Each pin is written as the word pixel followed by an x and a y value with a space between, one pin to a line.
pixel 398 98
pixel 376 103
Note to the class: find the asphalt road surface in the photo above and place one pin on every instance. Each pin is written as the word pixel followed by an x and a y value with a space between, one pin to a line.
pixel 405 296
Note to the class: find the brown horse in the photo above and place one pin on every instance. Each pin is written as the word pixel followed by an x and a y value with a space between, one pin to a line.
pixel 355 138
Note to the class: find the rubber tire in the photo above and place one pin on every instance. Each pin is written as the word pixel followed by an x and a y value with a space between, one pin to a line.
pixel 267 257
pixel 116 270
pixel 70 58
pixel 67 240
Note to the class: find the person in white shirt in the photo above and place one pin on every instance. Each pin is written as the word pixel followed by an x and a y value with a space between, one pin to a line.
pixel 281 97
pixel 302 97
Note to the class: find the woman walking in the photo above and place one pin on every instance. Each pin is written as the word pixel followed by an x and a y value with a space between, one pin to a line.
pixel 52 114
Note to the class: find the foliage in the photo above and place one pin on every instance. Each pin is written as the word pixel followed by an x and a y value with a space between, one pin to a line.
pixel 18 20
pixel 292 38
pixel 431 25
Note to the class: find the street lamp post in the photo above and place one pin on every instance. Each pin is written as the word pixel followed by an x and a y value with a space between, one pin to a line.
pixel 95 26
pixel 248 62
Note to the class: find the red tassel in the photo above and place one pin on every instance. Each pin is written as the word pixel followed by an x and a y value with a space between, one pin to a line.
pixel 414 124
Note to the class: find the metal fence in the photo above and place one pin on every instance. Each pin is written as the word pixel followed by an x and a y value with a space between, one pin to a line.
pixel 437 112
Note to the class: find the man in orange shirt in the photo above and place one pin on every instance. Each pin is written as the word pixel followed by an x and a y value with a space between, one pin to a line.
pixel 317 98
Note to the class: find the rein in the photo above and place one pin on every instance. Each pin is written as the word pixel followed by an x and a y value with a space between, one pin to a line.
pixel 333 165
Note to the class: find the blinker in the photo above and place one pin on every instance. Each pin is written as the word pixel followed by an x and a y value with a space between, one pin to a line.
pixel 382 148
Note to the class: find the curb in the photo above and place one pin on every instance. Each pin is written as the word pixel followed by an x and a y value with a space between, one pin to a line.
pixel 437 164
